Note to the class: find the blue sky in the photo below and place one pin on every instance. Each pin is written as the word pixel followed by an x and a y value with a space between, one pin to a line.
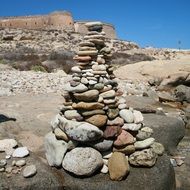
pixel 157 23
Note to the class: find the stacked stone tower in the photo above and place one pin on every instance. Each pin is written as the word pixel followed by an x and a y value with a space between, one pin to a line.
pixel 95 131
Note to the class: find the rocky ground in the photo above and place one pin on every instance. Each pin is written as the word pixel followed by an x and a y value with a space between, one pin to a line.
pixel 29 100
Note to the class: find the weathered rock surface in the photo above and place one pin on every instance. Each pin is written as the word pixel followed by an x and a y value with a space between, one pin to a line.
pixel 158 148
pixel 146 157
pixel 102 145
pixel 182 93
pixel 161 176
pixel 167 130
pixel 82 161
pixel 45 177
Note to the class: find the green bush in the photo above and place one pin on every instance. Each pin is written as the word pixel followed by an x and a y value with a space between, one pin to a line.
pixel 38 68
pixel 2 61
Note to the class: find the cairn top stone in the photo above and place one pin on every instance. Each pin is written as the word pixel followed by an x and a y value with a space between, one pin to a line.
pixel 90 24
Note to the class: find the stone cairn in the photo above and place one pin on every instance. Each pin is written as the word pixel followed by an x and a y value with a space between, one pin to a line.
pixel 95 130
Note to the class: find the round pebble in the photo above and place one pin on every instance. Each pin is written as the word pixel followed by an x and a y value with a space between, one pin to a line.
pixel 29 171
pixel 20 163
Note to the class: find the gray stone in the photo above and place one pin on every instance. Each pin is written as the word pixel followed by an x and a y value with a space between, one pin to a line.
pixel 92 82
pixel 20 152
pixel 146 157
pixel 161 176
pixel 84 80
pixel 78 88
pixel 112 113
pixel 81 131
pixel 144 144
pixel 46 177
pixel 55 149
pixel 104 169
pixel 73 114
pixel 138 117
pixel 102 145
pixel 82 161
pixel 3 163
pixel 167 130
pixel 122 106
pixel 158 148
pixel 99 67
pixel 131 126
pixel 6 144
pixel 108 94
pixel 29 171
pixel 20 163
pixel 76 69
pixel 127 115
pixel 99 86
pixel 182 93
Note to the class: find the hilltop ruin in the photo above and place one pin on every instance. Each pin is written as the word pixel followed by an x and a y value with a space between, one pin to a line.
pixel 59 20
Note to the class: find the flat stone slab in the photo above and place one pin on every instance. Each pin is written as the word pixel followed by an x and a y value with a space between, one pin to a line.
pixel 159 177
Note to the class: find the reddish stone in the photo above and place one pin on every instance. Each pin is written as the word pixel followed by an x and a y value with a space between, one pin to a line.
pixel 112 131
pixel 124 138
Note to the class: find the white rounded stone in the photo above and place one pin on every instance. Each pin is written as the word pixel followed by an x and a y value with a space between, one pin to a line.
pixel 82 161
pixel 20 152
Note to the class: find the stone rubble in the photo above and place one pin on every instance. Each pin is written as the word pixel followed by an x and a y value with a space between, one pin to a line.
pixel 11 164
pixel 96 119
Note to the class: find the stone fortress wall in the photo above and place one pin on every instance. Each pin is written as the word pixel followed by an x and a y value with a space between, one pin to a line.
pixel 59 20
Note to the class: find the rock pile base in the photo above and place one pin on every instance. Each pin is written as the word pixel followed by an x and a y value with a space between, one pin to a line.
pixel 95 131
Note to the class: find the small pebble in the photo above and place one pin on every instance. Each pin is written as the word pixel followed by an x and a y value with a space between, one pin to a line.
pixel 3 163
pixel 8 170
pixel 8 157
pixel 2 169
pixel 173 162
pixel 104 169
pixel 20 163
pixel 29 171
pixel 13 163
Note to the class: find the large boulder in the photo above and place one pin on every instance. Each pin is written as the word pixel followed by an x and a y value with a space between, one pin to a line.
pixel 182 93
pixel 167 130
pixel 159 177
